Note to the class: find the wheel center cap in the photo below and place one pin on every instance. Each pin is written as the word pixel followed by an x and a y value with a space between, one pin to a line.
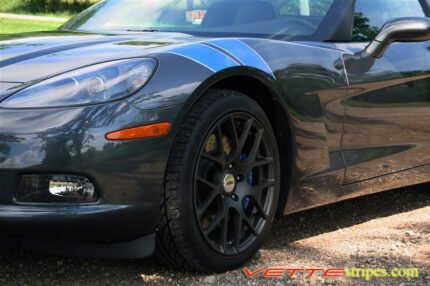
pixel 229 183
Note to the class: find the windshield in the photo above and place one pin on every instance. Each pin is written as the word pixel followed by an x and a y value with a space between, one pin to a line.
pixel 257 17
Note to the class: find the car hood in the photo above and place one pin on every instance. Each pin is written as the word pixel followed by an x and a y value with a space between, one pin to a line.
pixel 34 56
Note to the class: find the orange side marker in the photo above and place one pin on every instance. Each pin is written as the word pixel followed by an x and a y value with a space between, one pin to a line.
pixel 146 131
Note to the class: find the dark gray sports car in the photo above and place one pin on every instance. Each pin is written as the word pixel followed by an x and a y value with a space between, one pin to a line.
pixel 184 127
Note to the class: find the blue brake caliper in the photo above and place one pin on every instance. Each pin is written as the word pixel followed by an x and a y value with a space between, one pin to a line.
pixel 247 203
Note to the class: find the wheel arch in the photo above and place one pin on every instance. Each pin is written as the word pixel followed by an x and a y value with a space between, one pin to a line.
pixel 263 89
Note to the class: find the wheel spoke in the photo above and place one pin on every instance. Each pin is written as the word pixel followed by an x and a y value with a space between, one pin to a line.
pixel 224 231
pixel 214 223
pixel 238 231
pixel 262 162
pixel 207 203
pixel 249 225
pixel 257 191
pixel 221 153
pixel 235 135
pixel 256 146
pixel 256 194
pixel 207 183
pixel 214 159
pixel 244 135
pixel 265 185
pixel 259 206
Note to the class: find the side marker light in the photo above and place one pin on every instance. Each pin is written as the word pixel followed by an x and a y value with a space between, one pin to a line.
pixel 145 131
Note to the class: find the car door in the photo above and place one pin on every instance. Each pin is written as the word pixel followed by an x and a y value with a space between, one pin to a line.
pixel 387 108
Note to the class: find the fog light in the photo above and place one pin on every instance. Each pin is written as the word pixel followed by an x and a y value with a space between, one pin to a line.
pixel 56 189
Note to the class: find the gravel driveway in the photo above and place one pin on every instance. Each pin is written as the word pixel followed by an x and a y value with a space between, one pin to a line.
pixel 386 230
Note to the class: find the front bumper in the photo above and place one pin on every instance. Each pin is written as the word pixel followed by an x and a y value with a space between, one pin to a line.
pixel 128 175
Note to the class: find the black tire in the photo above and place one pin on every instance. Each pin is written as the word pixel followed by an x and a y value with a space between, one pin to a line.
pixel 188 239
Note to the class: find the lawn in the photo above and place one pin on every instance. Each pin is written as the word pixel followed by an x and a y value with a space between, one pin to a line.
pixel 10 26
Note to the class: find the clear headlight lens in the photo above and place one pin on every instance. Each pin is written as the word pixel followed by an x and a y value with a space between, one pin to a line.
pixel 94 84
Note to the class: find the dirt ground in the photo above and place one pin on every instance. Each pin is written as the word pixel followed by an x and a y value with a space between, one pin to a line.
pixel 387 230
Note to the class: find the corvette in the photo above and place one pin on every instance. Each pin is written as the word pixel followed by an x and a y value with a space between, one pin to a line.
pixel 184 127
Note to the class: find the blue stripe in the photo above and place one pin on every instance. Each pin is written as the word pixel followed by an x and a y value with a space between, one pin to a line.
pixel 206 56
pixel 247 55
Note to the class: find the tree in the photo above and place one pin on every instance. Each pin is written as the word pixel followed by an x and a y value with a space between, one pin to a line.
pixel 53 6
pixel 362 29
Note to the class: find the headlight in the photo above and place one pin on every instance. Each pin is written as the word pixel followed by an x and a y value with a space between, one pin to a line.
pixel 94 84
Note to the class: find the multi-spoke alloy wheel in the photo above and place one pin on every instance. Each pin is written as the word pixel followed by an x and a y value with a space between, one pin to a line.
pixel 221 187
pixel 234 183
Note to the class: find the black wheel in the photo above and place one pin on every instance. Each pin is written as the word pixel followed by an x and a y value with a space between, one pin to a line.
pixel 222 185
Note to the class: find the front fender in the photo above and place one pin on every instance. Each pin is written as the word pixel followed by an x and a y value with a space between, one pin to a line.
pixel 184 69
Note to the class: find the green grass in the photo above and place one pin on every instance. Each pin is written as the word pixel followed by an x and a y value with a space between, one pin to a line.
pixel 11 26
pixel 57 14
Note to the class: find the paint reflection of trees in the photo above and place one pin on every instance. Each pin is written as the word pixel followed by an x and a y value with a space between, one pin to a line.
pixel 5 148
pixel 73 140
pixel 303 83
pixel 362 29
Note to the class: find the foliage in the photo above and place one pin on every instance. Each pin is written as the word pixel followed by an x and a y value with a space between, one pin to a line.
pixel 63 7
pixel 362 29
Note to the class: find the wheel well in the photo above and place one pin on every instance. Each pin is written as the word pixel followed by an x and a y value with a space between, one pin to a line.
pixel 266 98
